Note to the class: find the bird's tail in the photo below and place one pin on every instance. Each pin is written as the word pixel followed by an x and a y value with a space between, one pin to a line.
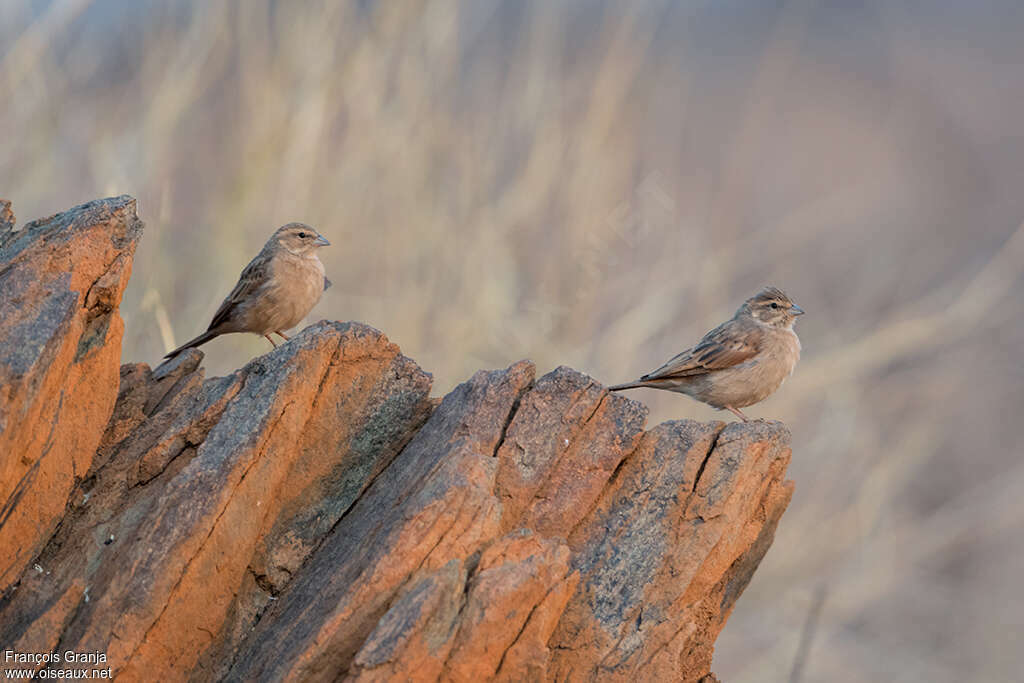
pixel 629 385
pixel 201 339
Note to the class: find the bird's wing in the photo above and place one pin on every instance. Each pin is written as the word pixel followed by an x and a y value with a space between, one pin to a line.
pixel 731 343
pixel 252 278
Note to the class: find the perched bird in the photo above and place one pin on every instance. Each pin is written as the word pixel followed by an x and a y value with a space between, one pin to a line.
pixel 275 291
pixel 740 362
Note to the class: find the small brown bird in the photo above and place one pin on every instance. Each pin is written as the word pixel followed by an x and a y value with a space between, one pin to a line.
pixel 740 362
pixel 275 291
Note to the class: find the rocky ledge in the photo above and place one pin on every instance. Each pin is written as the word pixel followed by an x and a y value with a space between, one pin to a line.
pixel 318 516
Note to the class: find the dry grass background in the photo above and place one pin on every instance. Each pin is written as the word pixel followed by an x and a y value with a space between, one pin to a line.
pixel 596 184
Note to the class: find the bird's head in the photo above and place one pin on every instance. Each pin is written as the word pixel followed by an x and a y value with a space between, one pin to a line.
pixel 772 307
pixel 299 238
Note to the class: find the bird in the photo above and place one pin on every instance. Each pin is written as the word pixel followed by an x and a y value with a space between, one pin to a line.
pixel 275 291
pixel 740 362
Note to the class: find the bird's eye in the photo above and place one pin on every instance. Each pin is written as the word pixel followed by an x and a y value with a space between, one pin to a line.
pixel 774 305
pixel 303 235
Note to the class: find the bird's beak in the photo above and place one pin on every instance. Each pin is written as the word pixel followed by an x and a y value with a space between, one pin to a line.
pixel 796 310
pixel 321 241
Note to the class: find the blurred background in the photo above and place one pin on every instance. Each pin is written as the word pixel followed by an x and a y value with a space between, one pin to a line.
pixel 597 184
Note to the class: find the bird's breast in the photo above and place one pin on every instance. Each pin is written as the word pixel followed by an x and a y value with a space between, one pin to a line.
pixel 296 286
pixel 753 381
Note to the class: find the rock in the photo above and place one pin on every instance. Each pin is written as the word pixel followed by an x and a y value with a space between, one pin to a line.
pixel 6 217
pixel 670 546
pixel 61 280
pixel 567 438
pixel 317 516
pixel 433 505
pixel 212 493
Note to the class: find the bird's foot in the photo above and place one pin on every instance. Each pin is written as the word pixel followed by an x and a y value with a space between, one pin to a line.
pixel 270 340
pixel 284 336
pixel 738 413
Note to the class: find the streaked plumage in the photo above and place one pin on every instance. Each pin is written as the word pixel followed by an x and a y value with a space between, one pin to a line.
pixel 275 291
pixel 740 362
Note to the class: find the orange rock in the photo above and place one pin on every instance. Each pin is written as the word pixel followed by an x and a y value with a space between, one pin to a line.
pixel 669 547
pixel 61 280
pixel 413 639
pixel 432 505
pixel 317 516
pixel 563 444
pixel 514 576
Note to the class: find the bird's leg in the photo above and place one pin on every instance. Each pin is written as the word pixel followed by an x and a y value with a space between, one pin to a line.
pixel 284 336
pixel 738 413
pixel 270 340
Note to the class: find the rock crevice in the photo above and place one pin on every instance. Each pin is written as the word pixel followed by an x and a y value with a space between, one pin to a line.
pixel 316 515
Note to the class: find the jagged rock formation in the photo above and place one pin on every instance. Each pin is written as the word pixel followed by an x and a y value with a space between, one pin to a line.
pixel 61 281
pixel 317 516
